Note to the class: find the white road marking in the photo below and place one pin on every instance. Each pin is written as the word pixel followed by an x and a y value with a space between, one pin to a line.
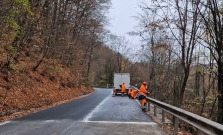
pixel 45 121
pixel 122 122
pixel 50 121
pixel 3 123
pixel 138 102
pixel 97 108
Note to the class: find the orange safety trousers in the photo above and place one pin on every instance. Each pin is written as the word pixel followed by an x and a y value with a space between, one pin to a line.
pixel 143 102
pixel 123 88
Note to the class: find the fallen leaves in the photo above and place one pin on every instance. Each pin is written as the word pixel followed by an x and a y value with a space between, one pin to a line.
pixel 33 92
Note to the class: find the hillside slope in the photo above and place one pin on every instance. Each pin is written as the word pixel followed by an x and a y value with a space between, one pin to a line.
pixel 28 91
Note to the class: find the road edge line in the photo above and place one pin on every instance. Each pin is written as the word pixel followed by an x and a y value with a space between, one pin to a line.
pixel 122 122
pixel 89 115
pixel 45 108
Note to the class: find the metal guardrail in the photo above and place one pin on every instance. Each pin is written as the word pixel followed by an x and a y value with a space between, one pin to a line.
pixel 202 124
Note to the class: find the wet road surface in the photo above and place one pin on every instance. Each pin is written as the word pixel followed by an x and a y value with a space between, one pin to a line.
pixel 97 114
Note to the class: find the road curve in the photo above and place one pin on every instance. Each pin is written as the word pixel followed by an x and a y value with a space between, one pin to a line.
pixel 97 114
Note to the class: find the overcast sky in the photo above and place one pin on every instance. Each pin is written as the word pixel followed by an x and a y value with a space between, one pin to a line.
pixel 121 16
pixel 122 19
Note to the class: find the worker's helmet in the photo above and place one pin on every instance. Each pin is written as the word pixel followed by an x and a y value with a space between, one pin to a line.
pixel 144 83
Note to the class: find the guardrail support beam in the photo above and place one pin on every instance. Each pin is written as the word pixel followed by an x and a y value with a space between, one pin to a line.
pixel 155 110
pixel 147 106
pixel 176 125
pixel 163 116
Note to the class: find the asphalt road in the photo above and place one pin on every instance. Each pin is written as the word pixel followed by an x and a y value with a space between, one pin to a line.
pixel 97 114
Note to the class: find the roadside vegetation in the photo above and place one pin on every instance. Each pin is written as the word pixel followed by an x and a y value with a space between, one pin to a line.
pixel 182 49
pixel 47 48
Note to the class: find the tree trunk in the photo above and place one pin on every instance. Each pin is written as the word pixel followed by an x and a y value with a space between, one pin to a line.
pixel 220 90
pixel 90 59
pixel 183 86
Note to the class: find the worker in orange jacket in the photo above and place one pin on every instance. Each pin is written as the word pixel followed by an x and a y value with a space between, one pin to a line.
pixel 133 94
pixel 129 92
pixel 142 95
pixel 123 89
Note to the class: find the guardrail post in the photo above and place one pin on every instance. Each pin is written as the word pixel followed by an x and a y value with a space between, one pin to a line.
pixel 148 104
pixel 176 124
pixel 163 116
pixel 154 110
pixel 199 132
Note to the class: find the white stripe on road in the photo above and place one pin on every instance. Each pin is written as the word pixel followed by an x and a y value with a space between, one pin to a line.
pixel 6 122
pixel 122 122
pixel 50 121
pixel 138 102
pixel 97 108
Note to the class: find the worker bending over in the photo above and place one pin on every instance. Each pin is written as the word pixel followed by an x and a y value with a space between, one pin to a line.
pixel 133 94
pixel 142 95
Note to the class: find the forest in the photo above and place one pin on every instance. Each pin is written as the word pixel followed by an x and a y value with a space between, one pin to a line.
pixel 54 50
pixel 182 42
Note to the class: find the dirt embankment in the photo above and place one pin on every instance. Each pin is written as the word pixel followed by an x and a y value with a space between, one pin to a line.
pixel 28 91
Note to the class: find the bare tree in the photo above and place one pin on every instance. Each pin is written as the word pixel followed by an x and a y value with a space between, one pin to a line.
pixel 212 16
pixel 180 18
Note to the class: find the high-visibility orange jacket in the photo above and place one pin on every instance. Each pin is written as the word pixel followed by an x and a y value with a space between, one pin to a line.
pixel 130 90
pixel 143 89
pixel 142 93
pixel 133 94
pixel 123 87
